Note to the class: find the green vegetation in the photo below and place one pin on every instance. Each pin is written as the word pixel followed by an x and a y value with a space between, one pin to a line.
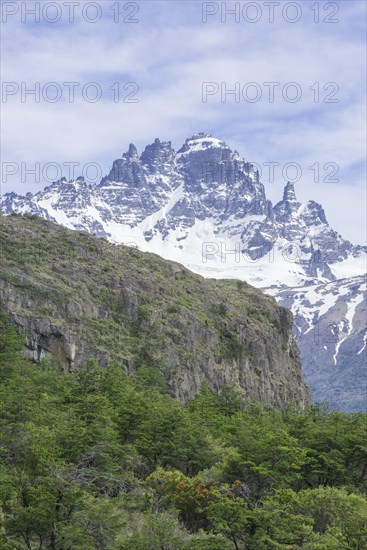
pixel 87 298
pixel 101 460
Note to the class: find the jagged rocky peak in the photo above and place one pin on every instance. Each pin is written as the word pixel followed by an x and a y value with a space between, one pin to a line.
pixel 132 153
pixel 289 193
pixel 288 208
pixel 127 169
pixel 315 213
pixel 158 154
pixel 311 213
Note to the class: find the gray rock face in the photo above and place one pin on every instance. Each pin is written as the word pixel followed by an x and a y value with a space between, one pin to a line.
pixel 158 157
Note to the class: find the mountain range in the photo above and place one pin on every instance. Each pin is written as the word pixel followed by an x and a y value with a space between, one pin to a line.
pixel 205 207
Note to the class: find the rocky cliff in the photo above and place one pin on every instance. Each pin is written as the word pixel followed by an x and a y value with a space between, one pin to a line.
pixel 77 297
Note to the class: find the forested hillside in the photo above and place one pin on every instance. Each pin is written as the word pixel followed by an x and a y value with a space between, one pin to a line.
pixel 96 459
pixel 77 297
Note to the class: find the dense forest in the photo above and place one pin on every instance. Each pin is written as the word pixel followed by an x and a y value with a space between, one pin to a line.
pixel 101 460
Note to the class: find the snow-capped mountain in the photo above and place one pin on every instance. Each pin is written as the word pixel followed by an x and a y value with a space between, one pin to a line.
pixel 330 329
pixel 205 207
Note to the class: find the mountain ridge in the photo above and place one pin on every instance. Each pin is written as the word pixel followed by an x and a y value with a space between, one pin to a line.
pixel 160 195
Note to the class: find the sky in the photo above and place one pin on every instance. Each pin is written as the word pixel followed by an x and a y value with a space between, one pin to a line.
pixel 280 82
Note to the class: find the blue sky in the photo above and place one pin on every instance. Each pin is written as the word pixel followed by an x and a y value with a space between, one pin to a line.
pixel 169 53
